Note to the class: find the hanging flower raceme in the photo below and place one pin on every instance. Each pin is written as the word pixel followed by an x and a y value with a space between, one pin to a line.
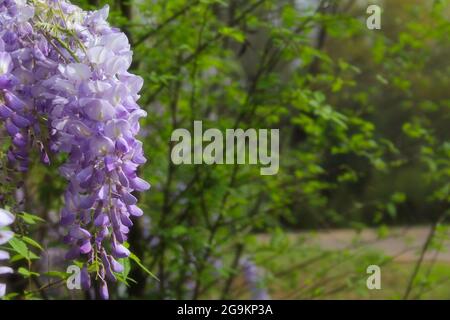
pixel 6 218
pixel 81 87
pixel 18 76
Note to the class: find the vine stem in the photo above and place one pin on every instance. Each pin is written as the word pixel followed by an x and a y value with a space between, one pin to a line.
pixel 424 250
pixel 60 42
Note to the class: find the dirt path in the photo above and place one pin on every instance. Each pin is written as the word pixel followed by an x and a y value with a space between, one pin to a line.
pixel 405 243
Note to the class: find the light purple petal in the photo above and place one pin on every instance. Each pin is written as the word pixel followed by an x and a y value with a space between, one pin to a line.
pixel 4 255
pixel 77 72
pixel 6 218
pixel 97 109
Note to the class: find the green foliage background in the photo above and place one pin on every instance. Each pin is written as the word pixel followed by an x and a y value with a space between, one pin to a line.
pixel 363 118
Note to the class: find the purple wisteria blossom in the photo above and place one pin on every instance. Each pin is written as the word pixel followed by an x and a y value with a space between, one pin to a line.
pixel 253 277
pixel 71 77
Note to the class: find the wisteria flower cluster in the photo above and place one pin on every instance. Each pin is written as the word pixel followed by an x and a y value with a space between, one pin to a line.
pixel 65 88
pixel 6 218
pixel 253 277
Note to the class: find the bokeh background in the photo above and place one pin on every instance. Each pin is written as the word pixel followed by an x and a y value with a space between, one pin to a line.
pixel 364 152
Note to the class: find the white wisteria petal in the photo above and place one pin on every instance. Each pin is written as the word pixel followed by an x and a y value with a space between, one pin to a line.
pixel 4 255
pixel 77 72
pixel 99 54
pixel 115 42
pixel 6 218
pixel 117 64
pixel 25 13
pixel 5 236
pixel 97 109
pixel 4 270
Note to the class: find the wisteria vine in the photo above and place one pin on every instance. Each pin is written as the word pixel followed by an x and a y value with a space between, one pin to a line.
pixel 65 88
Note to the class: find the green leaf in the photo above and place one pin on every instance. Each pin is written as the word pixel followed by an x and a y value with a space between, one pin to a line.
pixel 22 249
pixel 56 274
pixel 27 273
pixel 398 197
pixel 233 33
pixel 178 231
pixel 391 209
pixel 30 218
pixel 32 242
pixel 138 262
pixel 126 267
pixel 382 79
